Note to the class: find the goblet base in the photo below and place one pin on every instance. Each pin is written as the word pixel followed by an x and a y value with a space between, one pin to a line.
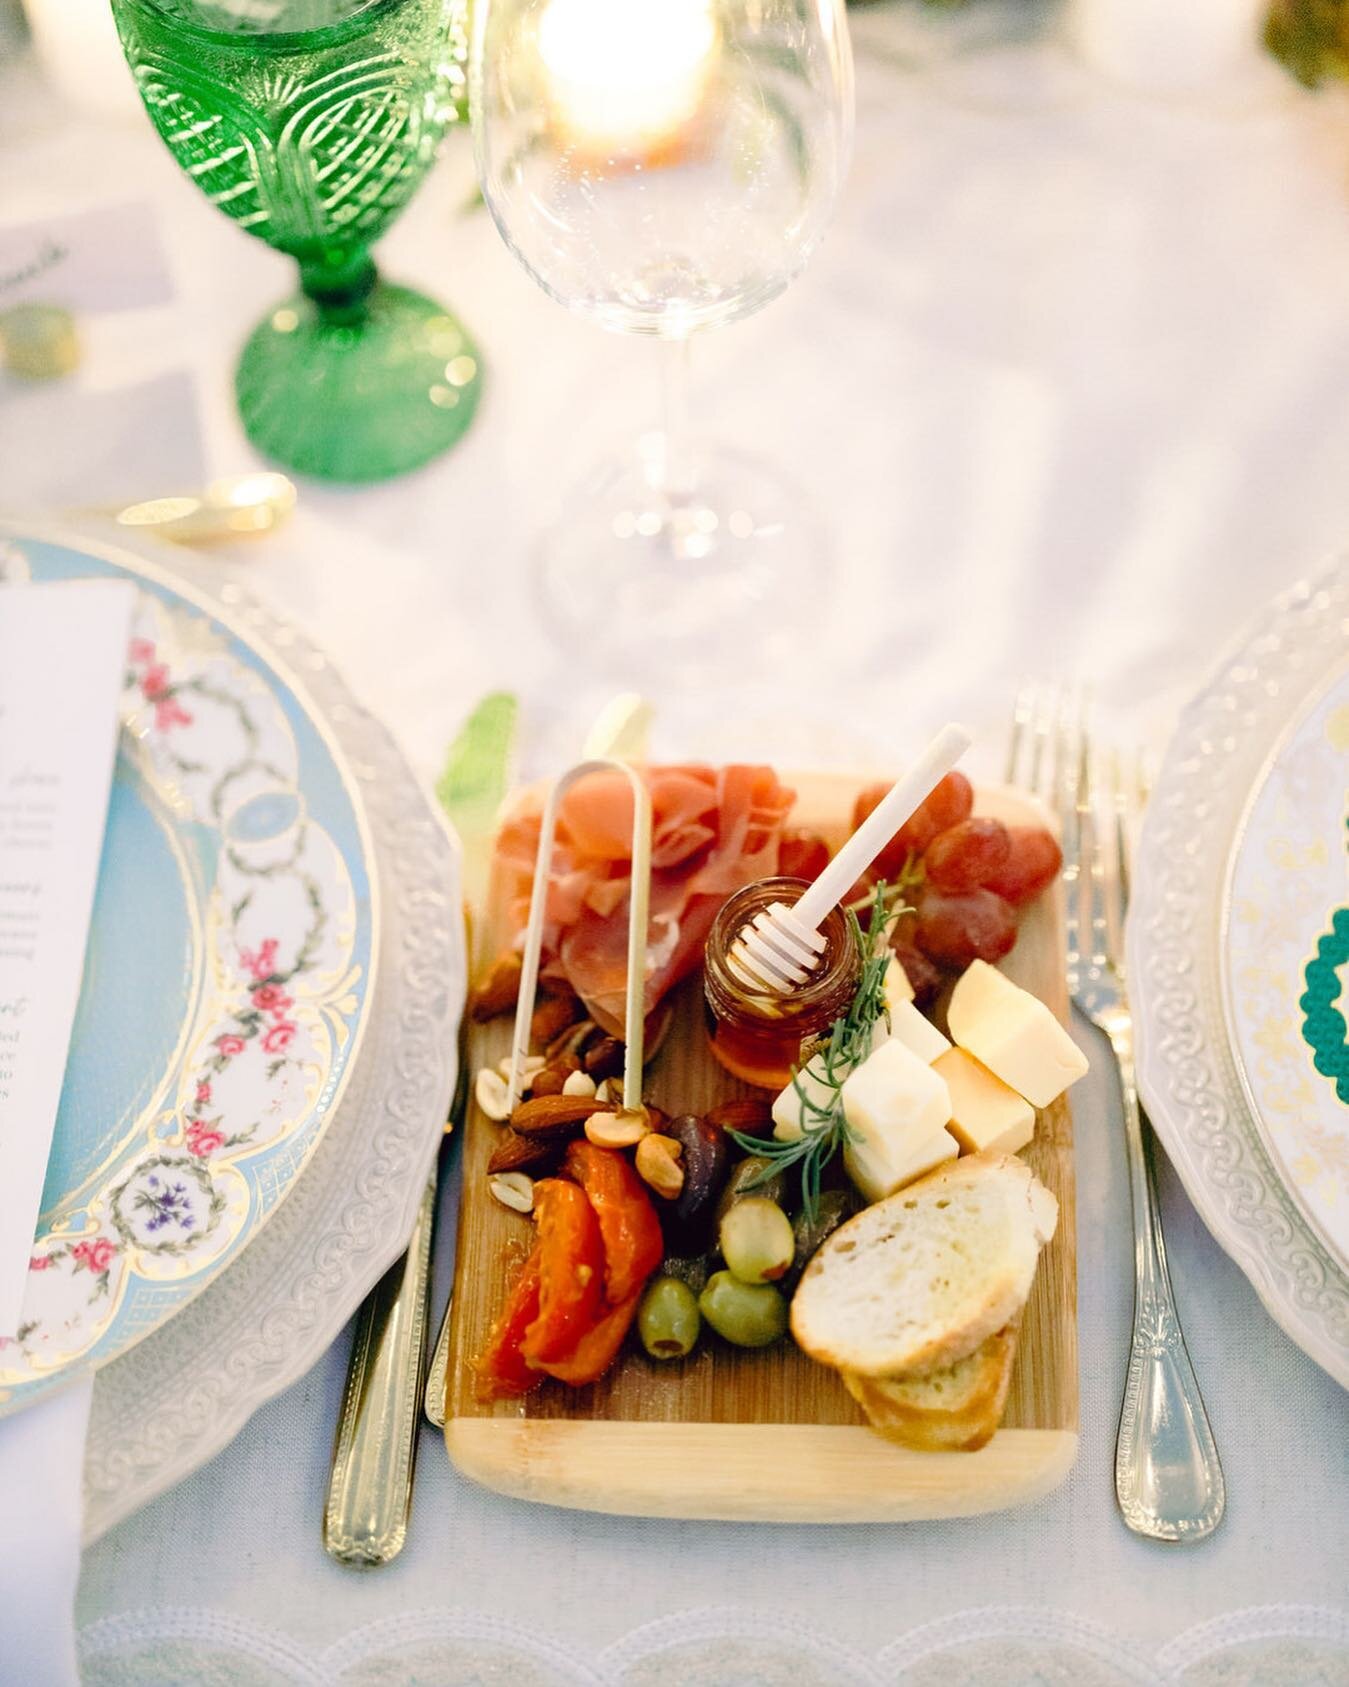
pixel 359 400
pixel 725 576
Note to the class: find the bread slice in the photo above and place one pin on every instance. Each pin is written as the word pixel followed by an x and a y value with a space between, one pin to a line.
pixel 920 1279
pixel 955 1408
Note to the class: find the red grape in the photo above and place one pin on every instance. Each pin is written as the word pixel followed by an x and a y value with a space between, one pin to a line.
pixel 924 979
pixel 955 930
pixel 949 803
pixel 968 855
pixel 1033 861
pixel 803 855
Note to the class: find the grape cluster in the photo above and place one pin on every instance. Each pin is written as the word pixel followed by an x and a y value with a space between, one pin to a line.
pixel 968 878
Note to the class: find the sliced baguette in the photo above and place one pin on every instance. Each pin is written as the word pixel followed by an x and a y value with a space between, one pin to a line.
pixel 956 1408
pixel 922 1278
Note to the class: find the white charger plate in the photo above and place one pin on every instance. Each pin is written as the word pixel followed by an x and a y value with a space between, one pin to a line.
pixel 227 979
pixel 185 1391
pixel 1240 874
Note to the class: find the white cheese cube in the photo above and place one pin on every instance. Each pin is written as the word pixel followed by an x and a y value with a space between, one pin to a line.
pixel 882 1161
pixel 893 1088
pixel 987 1117
pixel 1013 1034
pixel 788 1109
pixel 896 987
pixel 917 1032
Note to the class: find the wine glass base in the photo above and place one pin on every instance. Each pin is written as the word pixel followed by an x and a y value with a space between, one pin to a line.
pixel 729 578
pixel 363 401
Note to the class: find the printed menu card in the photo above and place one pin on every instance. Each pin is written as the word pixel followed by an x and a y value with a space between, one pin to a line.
pixel 62 661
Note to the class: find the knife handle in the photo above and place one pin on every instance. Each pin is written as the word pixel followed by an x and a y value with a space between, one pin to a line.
pixel 375 1451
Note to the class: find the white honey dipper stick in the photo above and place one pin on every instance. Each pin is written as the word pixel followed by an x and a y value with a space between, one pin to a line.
pixel 782 946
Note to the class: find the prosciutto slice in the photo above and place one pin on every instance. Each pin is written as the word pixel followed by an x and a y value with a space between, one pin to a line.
pixel 713 830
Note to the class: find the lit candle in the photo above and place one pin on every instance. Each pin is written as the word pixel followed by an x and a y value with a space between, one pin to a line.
pixel 624 78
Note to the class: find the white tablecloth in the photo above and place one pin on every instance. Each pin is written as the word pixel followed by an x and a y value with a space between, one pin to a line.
pixel 1070 385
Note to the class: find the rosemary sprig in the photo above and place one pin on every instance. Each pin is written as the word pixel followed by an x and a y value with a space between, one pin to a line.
pixel 824 1128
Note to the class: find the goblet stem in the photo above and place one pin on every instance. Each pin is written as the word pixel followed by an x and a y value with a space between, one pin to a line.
pixel 676 470
pixel 339 284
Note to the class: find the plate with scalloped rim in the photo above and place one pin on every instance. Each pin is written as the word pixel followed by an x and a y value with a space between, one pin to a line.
pixel 1238 951
pixel 227 978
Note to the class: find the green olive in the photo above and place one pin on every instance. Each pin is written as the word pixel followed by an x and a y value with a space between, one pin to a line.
pixel 757 1240
pixel 748 1314
pixel 668 1320
pixel 754 1175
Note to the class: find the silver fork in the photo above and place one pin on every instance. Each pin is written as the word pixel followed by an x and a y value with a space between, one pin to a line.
pixel 1168 1477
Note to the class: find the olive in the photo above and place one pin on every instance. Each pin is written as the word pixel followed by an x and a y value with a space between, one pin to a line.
pixel 834 1207
pixel 706 1160
pixel 747 1314
pixel 757 1241
pixel 668 1320
pixel 755 1175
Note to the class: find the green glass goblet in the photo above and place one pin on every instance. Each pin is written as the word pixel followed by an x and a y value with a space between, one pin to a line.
pixel 311 122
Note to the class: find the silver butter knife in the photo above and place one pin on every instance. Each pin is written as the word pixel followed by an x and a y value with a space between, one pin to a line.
pixel 365 1520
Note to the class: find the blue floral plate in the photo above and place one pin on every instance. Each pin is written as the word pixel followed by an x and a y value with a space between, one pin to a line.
pixel 227 979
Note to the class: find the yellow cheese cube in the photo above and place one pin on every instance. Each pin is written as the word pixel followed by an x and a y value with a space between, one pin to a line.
pixel 1013 1034
pixel 986 1116
pixel 917 1032
pixel 880 1162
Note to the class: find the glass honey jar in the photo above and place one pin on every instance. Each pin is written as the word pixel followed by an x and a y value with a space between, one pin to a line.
pixel 756 1035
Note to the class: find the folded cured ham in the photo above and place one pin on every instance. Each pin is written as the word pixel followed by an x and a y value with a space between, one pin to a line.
pixel 713 830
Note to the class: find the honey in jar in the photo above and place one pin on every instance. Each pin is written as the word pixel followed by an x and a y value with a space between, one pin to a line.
pixel 757 1035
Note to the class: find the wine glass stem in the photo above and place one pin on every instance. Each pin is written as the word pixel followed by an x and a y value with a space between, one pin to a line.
pixel 677 460
pixel 339 283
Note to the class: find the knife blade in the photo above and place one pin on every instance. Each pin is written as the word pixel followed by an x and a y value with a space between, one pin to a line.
pixel 369 1501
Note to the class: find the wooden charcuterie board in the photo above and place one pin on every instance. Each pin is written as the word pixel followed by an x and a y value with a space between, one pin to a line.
pixel 767 1435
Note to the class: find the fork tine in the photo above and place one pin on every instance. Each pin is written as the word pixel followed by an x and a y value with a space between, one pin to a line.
pixel 1119 802
pixel 1070 815
pixel 1022 711
pixel 1102 884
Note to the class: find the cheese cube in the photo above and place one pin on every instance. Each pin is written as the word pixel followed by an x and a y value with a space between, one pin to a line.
pixel 894 1088
pixel 896 987
pixel 986 1116
pixel 1013 1034
pixel 789 1108
pixel 917 1032
pixel 882 1161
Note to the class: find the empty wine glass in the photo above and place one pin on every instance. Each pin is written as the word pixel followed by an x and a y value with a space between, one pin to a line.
pixel 665 166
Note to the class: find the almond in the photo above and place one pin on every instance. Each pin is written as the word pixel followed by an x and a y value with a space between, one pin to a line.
pixel 553 1115
pixel 553 1014
pixel 747 1114
pixel 498 990
pixel 571 1040
pixel 513 1153
pixel 605 1058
